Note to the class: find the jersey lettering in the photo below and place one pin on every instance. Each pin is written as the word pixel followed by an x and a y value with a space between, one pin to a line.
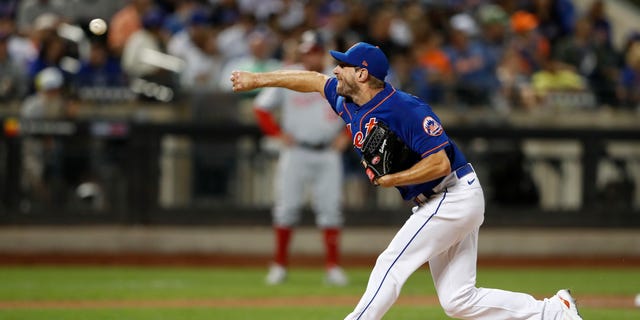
pixel 358 138
pixel 372 122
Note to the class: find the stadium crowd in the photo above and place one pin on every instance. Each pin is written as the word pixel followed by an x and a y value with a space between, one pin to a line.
pixel 502 54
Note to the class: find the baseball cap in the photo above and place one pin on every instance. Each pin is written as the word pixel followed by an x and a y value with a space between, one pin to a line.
pixel 199 17
pixel 492 14
pixel 49 79
pixel 464 23
pixel 310 41
pixel 365 56
pixel 46 21
pixel 522 21
pixel 153 18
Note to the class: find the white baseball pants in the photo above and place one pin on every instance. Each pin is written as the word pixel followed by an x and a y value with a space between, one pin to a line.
pixel 301 170
pixel 444 232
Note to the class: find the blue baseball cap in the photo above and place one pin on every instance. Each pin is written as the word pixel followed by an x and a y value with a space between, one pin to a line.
pixel 199 18
pixel 365 56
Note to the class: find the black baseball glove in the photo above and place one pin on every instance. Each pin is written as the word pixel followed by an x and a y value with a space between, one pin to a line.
pixel 383 152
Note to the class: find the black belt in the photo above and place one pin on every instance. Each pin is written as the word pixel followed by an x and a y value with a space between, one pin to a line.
pixel 314 146
pixel 460 172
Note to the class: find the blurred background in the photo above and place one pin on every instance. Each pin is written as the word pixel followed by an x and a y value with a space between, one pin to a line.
pixel 131 141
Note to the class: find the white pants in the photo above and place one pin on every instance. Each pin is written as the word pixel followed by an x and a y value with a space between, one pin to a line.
pixel 301 170
pixel 444 232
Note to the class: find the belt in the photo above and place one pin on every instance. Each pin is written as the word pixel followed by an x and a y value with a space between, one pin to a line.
pixel 459 173
pixel 464 170
pixel 314 146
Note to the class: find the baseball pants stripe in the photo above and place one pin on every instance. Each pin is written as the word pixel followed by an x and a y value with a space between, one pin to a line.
pixel 444 195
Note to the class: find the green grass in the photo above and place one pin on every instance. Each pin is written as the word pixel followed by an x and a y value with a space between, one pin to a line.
pixel 128 284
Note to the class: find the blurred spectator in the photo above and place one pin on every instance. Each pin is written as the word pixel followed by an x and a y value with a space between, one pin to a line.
pixel 292 15
pixel 226 12
pixel 407 75
pixel 12 75
pixel 555 18
pixel 432 57
pixel 494 34
pixel 232 41
pixel 556 77
pixel 629 84
pixel 473 67
pixel 336 27
pixel 515 84
pixel 578 49
pixel 22 48
pixel 125 23
pixel 10 6
pixel 44 28
pixel 43 155
pixel 100 69
pixel 151 38
pixel 631 39
pixel 386 31
pixel 593 58
pixel 197 47
pixel 51 54
pixel 29 10
pixel 600 23
pixel 49 102
pixel 532 47
pixel 178 20
pixel 152 72
pixel 7 20
pixel 494 25
pixel 261 46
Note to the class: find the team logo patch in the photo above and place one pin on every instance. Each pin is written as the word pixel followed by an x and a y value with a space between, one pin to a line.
pixel 431 126
pixel 375 160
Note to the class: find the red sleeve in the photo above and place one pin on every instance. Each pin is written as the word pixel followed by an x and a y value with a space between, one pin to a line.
pixel 267 122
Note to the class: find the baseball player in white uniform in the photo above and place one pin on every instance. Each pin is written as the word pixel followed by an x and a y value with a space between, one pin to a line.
pixel 313 139
pixel 443 227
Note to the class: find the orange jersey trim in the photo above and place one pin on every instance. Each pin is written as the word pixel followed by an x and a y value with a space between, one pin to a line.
pixel 375 107
pixel 436 148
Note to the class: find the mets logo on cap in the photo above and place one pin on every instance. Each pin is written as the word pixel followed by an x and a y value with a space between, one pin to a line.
pixel 431 126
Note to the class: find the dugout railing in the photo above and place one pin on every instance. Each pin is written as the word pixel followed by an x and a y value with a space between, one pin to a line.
pixel 196 173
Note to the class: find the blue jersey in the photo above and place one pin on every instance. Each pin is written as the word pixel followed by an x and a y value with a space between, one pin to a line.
pixel 407 116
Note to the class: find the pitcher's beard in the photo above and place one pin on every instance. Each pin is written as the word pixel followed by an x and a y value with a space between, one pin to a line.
pixel 345 89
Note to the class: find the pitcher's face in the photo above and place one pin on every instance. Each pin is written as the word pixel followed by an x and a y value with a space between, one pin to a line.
pixel 346 75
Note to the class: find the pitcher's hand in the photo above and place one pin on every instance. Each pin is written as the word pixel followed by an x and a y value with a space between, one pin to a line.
pixel 243 81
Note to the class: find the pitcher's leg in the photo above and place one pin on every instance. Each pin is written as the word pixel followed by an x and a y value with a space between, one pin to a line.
pixel 422 236
pixel 454 276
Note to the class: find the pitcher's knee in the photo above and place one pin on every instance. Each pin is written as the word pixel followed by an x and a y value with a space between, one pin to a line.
pixel 454 310
pixel 458 307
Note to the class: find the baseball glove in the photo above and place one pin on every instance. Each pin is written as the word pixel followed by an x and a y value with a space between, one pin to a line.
pixel 383 152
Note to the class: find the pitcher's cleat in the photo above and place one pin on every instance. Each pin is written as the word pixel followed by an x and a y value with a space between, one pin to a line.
pixel 570 311
pixel 277 274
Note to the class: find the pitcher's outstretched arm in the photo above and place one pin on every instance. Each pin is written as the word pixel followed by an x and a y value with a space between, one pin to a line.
pixel 297 80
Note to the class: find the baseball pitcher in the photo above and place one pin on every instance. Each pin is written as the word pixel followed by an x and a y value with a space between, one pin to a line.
pixel 433 172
